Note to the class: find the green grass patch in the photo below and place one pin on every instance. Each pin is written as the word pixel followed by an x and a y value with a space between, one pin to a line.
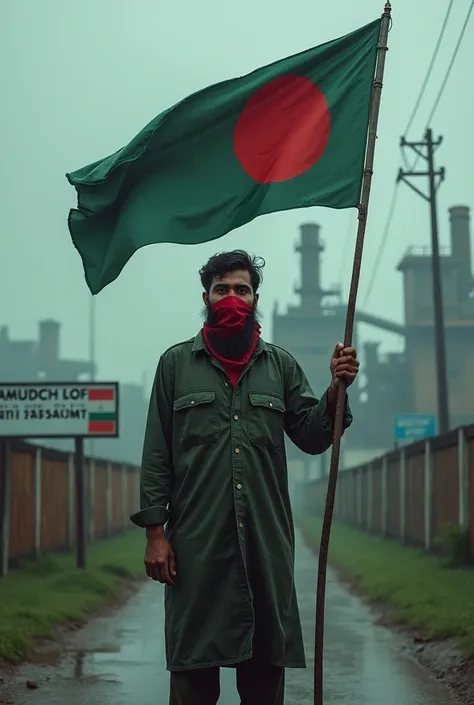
pixel 423 592
pixel 49 591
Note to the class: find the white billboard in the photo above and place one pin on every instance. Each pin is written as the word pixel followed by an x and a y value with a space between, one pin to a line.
pixel 59 409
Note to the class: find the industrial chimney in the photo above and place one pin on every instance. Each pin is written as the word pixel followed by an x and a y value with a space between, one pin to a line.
pixel 461 248
pixel 310 248
pixel 48 345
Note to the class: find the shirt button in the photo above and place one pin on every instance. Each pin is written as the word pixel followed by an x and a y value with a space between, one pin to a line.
pixel 236 417
pixel 269 404
pixel 192 403
pixel 237 450
pixel 239 486
pixel 241 525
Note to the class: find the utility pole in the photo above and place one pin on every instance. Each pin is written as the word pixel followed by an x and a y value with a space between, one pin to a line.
pixel 426 150
pixel 92 353
pixel 92 359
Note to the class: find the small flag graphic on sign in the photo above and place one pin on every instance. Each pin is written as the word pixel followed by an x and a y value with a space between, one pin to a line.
pixel 101 394
pixel 102 414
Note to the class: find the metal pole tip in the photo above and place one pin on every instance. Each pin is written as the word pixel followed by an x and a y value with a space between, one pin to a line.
pixel 388 7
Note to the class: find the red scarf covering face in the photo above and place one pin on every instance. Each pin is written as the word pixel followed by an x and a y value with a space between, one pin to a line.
pixel 231 315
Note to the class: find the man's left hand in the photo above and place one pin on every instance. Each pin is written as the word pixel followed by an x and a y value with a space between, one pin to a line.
pixel 344 365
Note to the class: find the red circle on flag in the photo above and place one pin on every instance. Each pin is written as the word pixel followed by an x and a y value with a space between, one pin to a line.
pixel 283 130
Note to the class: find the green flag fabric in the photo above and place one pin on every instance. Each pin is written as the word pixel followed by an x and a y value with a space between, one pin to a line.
pixel 289 135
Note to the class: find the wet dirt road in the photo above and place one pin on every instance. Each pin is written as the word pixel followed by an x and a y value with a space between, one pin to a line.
pixel 119 658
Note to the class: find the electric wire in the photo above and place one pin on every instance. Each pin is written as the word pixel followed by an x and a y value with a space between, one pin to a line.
pixel 410 122
pixel 447 75
pixel 351 225
pixel 383 242
pixel 430 68
pixel 450 66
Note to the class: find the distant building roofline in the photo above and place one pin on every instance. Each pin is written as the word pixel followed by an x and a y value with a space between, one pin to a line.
pixel 420 256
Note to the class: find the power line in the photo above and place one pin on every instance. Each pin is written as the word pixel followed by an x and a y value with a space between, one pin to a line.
pixel 430 68
pixel 414 112
pixel 446 76
pixel 383 242
pixel 451 64
pixel 411 119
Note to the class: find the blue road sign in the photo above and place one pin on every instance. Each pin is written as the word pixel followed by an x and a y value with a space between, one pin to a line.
pixel 414 427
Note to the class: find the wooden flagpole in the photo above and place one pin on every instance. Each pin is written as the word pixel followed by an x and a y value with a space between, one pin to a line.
pixel 351 306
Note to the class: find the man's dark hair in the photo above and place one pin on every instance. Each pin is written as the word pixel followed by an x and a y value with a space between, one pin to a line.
pixel 224 262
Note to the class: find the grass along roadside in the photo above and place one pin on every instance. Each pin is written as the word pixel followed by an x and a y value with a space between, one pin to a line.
pixel 423 594
pixel 42 594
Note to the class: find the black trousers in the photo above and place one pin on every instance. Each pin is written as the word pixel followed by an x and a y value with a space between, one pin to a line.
pixel 257 684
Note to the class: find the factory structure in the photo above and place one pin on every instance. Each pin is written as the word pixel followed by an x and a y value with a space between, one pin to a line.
pixel 394 383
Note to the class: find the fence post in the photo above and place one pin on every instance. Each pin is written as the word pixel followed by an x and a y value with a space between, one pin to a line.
pixel 137 488
pixel 108 502
pixel 124 497
pixel 91 499
pixel 359 497
pixel 428 492
pixel 339 500
pixel 5 505
pixel 384 503
pixel 403 469
pixel 353 513
pixel 355 485
pixel 70 499
pixel 370 496
pixel 463 474
pixel 342 498
pixel 37 501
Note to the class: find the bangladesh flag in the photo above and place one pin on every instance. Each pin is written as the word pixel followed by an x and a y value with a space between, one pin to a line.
pixel 289 135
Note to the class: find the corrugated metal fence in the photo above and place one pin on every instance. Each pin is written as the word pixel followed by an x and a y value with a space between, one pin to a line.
pixel 409 493
pixel 37 500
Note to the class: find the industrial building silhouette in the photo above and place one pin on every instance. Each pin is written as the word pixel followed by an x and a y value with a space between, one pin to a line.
pixel 393 383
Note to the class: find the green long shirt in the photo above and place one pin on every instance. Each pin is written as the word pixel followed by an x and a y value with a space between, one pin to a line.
pixel 214 471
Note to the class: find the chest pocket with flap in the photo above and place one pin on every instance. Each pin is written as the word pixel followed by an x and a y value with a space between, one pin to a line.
pixel 195 418
pixel 266 420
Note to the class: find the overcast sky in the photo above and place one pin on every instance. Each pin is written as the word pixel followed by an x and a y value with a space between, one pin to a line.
pixel 79 80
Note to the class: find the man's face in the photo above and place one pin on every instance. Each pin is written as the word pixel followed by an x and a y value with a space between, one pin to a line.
pixel 236 283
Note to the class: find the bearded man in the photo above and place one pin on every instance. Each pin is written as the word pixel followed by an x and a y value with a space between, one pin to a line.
pixel 214 492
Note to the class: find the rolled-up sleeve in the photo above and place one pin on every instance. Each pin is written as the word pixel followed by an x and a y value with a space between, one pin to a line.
pixel 307 422
pixel 156 477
